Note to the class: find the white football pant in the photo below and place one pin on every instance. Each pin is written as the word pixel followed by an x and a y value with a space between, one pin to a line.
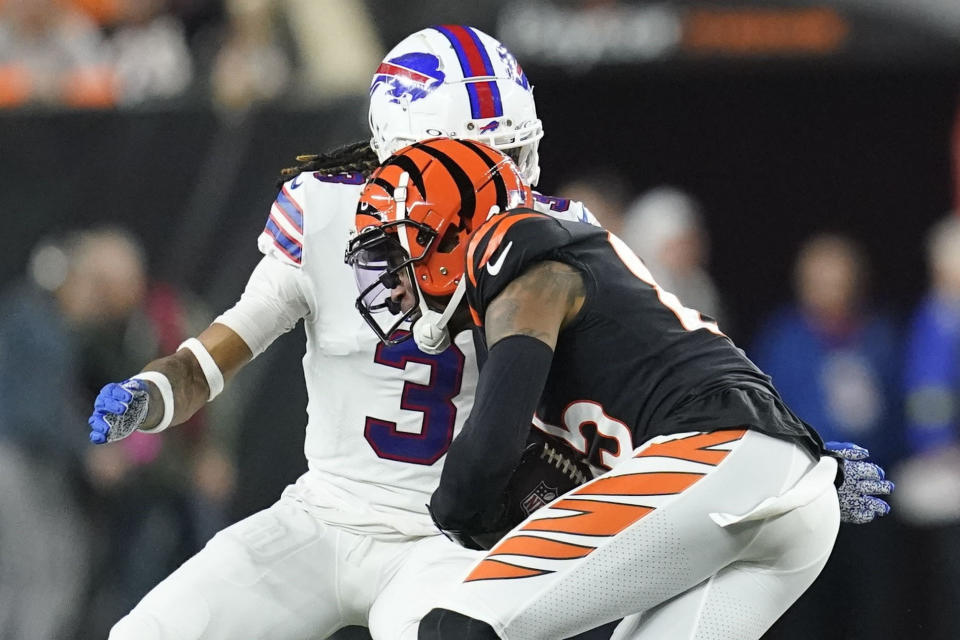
pixel 698 536
pixel 284 574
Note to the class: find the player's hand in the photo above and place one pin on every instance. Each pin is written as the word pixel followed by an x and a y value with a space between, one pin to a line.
pixel 862 482
pixel 120 408
pixel 462 537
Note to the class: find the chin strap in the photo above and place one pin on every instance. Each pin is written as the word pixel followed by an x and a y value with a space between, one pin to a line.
pixel 430 331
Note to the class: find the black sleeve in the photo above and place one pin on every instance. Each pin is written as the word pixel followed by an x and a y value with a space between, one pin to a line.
pixel 482 458
pixel 480 346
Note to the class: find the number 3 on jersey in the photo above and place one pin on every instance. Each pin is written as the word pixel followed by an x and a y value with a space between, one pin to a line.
pixel 434 400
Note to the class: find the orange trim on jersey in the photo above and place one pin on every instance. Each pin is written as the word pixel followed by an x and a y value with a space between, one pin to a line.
pixel 694 448
pixel 640 484
pixel 537 547
pixel 481 232
pixel 594 518
pixel 498 570
pixel 501 231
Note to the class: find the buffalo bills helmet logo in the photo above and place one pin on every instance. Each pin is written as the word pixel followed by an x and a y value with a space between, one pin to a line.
pixel 490 127
pixel 414 75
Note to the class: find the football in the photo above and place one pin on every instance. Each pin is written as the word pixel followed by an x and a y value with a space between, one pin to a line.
pixel 548 469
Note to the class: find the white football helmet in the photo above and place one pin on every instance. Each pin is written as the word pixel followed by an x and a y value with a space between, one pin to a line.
pixel 457 82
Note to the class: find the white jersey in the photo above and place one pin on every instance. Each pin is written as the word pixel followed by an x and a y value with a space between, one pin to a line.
pixel 380 418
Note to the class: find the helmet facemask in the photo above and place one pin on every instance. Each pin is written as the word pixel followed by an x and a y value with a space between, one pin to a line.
pixel 381 259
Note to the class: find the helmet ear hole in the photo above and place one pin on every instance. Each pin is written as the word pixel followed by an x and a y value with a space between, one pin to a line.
pixel 449 241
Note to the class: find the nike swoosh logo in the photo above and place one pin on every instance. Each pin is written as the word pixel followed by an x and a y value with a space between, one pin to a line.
pixel 493 268
pixel 296 182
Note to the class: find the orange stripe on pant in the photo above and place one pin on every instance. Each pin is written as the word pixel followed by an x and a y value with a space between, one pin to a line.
pixel 594 518
pixel 497 570
pixel 694 448
pixel 599 517
pixel 537 547
pixel 639 484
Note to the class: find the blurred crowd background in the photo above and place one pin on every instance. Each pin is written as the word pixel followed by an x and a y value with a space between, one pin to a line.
pixel 792 168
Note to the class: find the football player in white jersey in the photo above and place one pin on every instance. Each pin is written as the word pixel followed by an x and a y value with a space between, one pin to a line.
pixel 351 543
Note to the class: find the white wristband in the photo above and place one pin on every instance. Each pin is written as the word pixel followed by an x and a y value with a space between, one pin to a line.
pixel 210 369
pixel 166 394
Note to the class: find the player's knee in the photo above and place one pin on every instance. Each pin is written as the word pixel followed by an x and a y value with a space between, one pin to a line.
pixel 443 623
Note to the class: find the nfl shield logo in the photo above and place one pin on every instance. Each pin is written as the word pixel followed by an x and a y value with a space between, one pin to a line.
pixel 539 497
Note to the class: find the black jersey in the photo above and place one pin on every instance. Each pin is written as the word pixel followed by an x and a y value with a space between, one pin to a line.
pixel 634 363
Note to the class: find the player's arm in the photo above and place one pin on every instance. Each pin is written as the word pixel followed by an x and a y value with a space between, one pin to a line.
pixel 170 390
pixel 188 381
pixel 538 304
pixel 521 326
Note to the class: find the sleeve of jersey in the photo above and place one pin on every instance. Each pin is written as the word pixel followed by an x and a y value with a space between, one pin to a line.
pixel 563 209
pixel 481 459
pixel 282 236
pixel 272 303
pixel 503 248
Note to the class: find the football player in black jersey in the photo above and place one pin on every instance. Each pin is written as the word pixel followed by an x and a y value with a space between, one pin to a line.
pixel 714 506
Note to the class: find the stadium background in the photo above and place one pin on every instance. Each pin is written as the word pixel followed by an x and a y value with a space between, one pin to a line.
pixel 783 119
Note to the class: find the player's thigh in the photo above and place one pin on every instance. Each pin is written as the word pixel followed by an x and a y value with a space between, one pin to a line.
pixel 271 575
pixel 745 598
pixel 432 567
pixel 631 539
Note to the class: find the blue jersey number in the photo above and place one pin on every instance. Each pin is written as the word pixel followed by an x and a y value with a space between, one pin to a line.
pixel 556 204
pixel 347 177
pixel 434 400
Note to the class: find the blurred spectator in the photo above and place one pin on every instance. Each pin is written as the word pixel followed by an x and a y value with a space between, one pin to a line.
pixel 302 49
pixel 931 480
pixel 928 483
pixel 955 157
pixel 604 193
pixel 665 228
pixel 337 45
pixel 52 54
pixel 252 64
pixel 86 531
pixel 835 361
pixel 833 358
pixel 103 12
pixel 44 536
pixel 155 502
pixel 150 54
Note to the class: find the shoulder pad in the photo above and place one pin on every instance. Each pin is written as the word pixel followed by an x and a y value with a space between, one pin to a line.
pixel 503 247
pixel 308 198
pixel 282 236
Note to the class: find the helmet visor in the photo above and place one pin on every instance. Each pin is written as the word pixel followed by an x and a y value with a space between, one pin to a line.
pixel 380 266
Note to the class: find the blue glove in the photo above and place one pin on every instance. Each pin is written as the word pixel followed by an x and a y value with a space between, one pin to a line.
pixel 120 408
pixel 862 482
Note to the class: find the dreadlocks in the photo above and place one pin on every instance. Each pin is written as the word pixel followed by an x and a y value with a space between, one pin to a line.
pixel 356 156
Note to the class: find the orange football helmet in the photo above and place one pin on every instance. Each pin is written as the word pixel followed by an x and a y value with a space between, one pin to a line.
pixel 414 218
